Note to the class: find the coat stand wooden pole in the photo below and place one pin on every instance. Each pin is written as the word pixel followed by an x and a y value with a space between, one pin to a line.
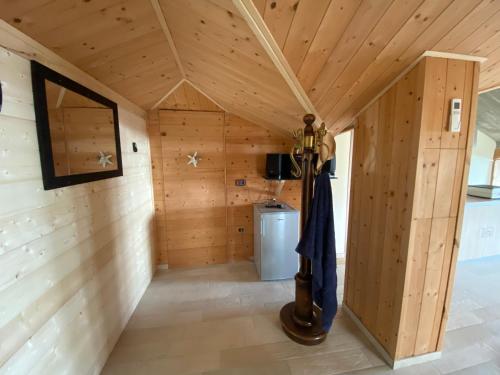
pixel 301 320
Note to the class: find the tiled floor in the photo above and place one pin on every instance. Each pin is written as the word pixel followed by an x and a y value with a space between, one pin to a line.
pixel 221 320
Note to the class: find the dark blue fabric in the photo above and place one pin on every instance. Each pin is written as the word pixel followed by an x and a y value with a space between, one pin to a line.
pixel 318 244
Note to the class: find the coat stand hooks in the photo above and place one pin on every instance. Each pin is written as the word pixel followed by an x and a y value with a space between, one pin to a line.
pixel 301 319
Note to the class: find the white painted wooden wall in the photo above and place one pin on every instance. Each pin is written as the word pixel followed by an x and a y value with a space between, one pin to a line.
pixel 75 261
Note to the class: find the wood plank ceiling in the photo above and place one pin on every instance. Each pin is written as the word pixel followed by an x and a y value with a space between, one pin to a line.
pixel 343 52
pixel 119 42
pixel 222 56
pixel 488 114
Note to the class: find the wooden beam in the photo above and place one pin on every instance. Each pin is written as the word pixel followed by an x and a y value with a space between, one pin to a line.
pixel 181 81
pixel 168 35
pixel 207 96
pixel 492 88
pixel 454 56
pixel 254 19
pixel 168 93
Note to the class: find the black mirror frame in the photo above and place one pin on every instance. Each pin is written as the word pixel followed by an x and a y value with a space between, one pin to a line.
pixel 39 73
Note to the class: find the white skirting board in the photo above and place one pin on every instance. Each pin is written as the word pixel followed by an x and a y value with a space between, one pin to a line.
pixel 400 363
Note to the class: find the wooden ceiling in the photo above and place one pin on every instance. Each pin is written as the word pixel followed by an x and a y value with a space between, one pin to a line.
pixel 119 42
pixel 343 52
pixel 222 56
pixel 488 114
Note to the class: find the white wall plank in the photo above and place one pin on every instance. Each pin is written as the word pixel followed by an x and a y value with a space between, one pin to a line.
pixel 74 261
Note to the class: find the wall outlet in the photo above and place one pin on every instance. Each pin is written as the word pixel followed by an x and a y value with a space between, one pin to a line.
pixel 241 230
pixel 240 182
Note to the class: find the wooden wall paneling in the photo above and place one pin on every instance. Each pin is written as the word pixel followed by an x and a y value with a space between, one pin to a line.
pixel 194 197
pixel 246 148
pixel 354 213
pixel 243 155
pixel 445 182
pixel 401 186
pixel 414 279
pixel 455 79
pixel 425 191
pixel 410 265
pixel 430 266
pixel 416 251
pixel 434 112
pixel 382 161
pixel 158 192
pixel 370 123
pixel 74 261
pixel 449 272
pixel 468 96
pixel 430 290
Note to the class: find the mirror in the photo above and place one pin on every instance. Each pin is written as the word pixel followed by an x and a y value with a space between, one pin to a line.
pixel 78 132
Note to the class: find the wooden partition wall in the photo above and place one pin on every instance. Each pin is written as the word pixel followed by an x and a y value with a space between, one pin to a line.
pixel 407 195
pixel 202 217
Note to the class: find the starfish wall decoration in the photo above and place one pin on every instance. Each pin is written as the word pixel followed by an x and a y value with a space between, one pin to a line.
pixel 193 159
pixel 104 159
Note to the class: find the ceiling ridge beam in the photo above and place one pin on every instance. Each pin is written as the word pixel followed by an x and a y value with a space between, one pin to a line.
pixel 169 92
pixel 250 13
pixel 163 23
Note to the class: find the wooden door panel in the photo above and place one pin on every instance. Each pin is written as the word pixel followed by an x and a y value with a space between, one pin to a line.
pixel 195 198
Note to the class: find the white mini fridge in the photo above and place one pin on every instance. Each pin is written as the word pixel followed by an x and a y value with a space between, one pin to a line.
pixel 276 235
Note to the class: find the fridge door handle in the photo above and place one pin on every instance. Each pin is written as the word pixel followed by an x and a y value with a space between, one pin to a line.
pixel 262 227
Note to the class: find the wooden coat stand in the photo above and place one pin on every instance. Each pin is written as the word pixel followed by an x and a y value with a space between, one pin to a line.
pixel 301 320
